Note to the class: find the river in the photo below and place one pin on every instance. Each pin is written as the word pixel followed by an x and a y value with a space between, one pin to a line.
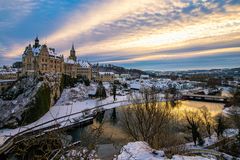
pixel 113 136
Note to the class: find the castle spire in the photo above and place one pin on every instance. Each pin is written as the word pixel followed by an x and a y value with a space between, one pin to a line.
pixel 73 54
pixel 73 47
pixel 36 39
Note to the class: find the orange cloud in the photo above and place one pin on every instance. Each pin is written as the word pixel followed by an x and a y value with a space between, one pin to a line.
pixel 205 30
pixel 179 55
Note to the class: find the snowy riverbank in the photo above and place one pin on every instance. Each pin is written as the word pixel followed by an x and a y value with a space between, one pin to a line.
pixel 142 151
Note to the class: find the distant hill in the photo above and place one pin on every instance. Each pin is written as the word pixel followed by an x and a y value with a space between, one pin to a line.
pixel 119 70
pixel 217 69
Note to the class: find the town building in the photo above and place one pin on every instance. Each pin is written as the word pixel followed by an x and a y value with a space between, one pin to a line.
pixel 144 76
pixel 126 76
pixel 105 77
pixel 84 69
pixel 11 73
pixel 5 84
pixel 8 77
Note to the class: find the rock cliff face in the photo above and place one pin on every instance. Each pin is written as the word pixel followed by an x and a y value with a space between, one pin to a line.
pixel 28 99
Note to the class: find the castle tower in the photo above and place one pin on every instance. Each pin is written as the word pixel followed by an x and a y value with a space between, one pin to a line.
pixel 36 43
pixel 73 54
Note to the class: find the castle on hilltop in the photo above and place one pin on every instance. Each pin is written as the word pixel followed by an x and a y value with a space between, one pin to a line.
pixel 39 59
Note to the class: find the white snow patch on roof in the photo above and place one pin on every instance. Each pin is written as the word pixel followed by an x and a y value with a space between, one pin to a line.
pixel 8 80
pixel 69 61
pixel 84 64
pixel 36 50
pixel 106 73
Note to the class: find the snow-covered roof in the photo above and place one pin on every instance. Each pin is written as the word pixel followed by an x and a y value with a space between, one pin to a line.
pixel 7 80
pixel 106 73
pixel 84 64
pixel 51 52
pixel 125 75
pixel 144 76
pixel 69 61
pixel 8 71
pixel 135 86
pixel 36 51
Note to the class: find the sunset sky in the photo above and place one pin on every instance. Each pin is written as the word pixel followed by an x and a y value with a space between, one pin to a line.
pixel 144 34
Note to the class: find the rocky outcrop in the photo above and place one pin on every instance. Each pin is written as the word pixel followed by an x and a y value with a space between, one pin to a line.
pixel 28 99
pixel 54 82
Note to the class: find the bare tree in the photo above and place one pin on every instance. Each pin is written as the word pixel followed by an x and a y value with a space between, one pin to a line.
pixel 172 97
pixel 145 119
pixel 193 124
pixel 236 120
pixel 57 144
pixel 220 125
pixel 235 117
pixel 87 146
pixel 207 120
pixel 114 90
pixel 101 91
pixel 235 100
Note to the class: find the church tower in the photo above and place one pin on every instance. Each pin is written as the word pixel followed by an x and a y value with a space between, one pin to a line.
pixel 73 54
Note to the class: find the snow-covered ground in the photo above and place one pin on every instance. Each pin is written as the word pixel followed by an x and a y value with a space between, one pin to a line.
pixel 230 132
pixel 231 111
pixel 142 151
pixel 210 141
pixel 207 142
pixel 78 93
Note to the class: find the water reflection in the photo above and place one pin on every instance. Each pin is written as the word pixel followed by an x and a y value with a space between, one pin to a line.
pixel 113 118
pixel 112 138
pixel 100 117
pixel 214 108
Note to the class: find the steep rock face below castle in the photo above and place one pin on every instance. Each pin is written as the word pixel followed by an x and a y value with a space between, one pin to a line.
pixel 28 99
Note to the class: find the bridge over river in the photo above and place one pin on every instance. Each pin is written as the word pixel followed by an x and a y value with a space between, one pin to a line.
pixel 207 98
